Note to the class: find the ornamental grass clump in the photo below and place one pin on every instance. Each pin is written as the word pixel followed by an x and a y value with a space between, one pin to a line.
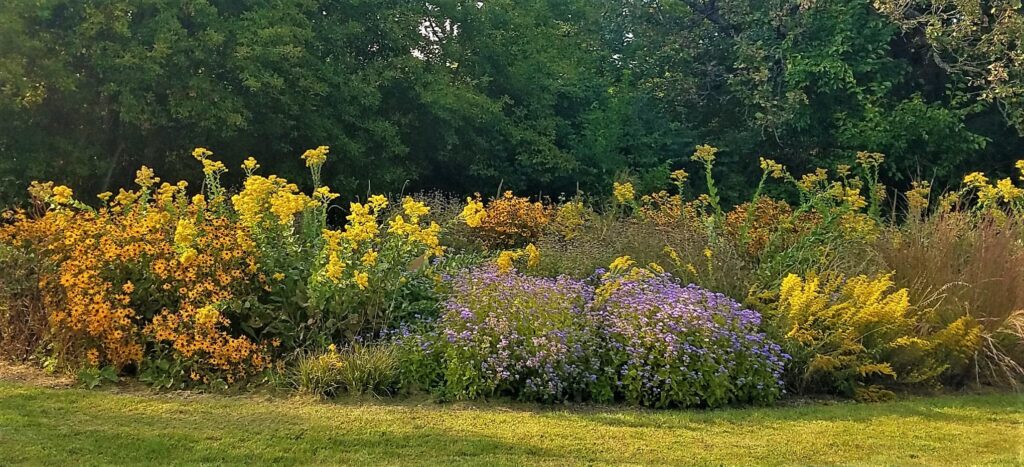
pixel 669 345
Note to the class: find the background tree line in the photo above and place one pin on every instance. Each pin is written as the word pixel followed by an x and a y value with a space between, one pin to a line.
pixel 542 96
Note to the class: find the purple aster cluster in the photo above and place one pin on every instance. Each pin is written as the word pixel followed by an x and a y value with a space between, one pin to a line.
pixel 647 340
pixel 516 335
pixel 674 345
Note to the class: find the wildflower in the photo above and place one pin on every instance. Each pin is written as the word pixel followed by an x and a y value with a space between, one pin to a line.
pixel 207 316
pixel 809 181
pixel 316 157
pixel 201 153
pixel 211 167
pixel 286 204
pixel 250 165
pixel 94 357
pixel 185 233
pixel 623 192
pixel 362 280
pixel 1007 191
pixel 188 255
pixel 705 154
pixel 975 180
pixel 843 170
pixel 335 268
pixel 656 268
pixel 474 212
pixel 506 259
pixel 1020 167
pixel 62 195
pixel 679 176
pixel 128 287
pixel 40 191
pixel 918 196
pixel 144 177
pixel 199 201
pixel 772 168
pixel 870 159
pixel 708 253
pixel 369 259
pixel 532 256
pixel 621 264
pixel 378 202
pixel 414 209
pixel 278 276
pixel 105 196
pixel 324 195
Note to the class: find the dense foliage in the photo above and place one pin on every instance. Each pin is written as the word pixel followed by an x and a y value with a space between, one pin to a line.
pixel 655 299
pixel 540 96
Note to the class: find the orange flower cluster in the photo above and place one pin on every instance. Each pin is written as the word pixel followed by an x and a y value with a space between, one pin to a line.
pixel 122 285
pixel 513 221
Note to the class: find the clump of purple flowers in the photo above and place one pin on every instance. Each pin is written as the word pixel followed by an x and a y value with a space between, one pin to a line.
pixel 516 335
pixel 640 338
pixel 674 345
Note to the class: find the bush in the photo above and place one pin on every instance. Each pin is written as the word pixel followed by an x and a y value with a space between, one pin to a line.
pixel 645 339
pixel 850 335
pixel 670 345
pixel 516 335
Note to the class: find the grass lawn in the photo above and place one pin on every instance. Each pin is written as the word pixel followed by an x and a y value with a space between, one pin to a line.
pixel 75 427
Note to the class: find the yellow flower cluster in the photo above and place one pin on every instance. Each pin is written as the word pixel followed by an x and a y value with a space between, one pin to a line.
pixel 704 154
pixel 272 194
pixel 474 213
pixel 62 195
pixel 623 192
pixel 856 330
pixel 772 168
pixel 506 259
pixel 569 219
pixel 316 157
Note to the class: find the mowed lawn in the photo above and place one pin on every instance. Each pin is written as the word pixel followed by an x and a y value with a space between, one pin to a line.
pixel 79 427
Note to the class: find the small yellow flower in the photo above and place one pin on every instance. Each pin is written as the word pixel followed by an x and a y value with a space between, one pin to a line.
pixel 621 264
pixel 62 195
pixel 278 276
pixel 679 176
pixel 316 157
pixel 128 287
pixel 369 259
pixel 474 213
pixel 94 357
pixel 250 165
pixel 918 196
pixel 201 153
pixel 976 180
pixel 144 177
pixel 870 159
pixel 772 168
pixel 708 253
pixel 506 259
pixel 705 154
pixel 532 256
pixel 362 280
pixel 623 192
pixel 324 194
pixel 105 196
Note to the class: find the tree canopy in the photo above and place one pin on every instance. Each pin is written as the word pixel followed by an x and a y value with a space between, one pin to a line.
pixel 540 96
